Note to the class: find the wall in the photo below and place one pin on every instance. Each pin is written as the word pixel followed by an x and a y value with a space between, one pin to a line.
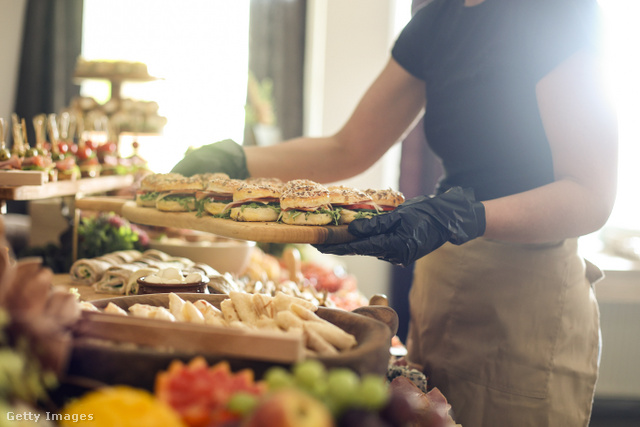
pixel 348 44
pixel 11 22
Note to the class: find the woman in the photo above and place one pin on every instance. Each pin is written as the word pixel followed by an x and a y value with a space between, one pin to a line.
pixel 503 316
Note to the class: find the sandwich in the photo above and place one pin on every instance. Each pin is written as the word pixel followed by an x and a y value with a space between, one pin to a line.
pixel 305 202
pixel 350 203
pixel 178 194
pixel 65 161
pixel 255 203
pixel 272 182
pixel 67 168
pixel 147 194
pixel 217 194
pixel 382 201
pixel 206 177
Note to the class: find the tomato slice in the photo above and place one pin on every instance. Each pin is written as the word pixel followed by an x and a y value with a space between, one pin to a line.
pixel 366 206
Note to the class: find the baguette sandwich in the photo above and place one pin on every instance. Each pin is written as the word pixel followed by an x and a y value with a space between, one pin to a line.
pixel 255 203
pixel 147 194
pixel 350 203
pixel 217 194
pixel 178 195
pixel 383 201
pixel 305 202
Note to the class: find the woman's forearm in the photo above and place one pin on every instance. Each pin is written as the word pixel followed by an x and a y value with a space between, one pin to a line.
pixel 319 159
pixel 556 211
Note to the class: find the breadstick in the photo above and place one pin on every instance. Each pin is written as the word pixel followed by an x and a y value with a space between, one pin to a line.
pixel 316 343
pixel 263 305
pixel 304 313
pixel 229 311
pixel 111 308
pixel 212 314
pixel 287 320
pixel 244 306
pixel 191 314
pixel 283 301
pixel 175 306
pixel 333 334
pixel 87 306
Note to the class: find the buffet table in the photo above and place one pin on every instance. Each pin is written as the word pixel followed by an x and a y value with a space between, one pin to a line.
pixel 87 293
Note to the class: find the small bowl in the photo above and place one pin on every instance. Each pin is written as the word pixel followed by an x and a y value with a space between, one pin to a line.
pixel 225 256
pixel 145 287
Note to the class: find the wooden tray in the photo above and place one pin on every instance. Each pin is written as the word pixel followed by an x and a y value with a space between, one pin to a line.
pixel 257 231
pixel 109 362
pixel 16 177
pixel 65 188
pixel 102 204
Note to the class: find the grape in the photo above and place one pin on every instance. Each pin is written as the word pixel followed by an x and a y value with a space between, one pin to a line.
pixel 242 403
pixel 310 375
pixel 278 377
pixel 342 386
pixel 374 392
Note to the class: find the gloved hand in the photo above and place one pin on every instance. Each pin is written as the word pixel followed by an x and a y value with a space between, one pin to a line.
pixel 225 156
pixel 415 228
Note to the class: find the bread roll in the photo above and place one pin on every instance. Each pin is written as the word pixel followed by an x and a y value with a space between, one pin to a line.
pixel 256 203
pixel 305 202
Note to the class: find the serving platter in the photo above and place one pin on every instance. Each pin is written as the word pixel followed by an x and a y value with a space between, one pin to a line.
pixel 257 231
pixel 118 354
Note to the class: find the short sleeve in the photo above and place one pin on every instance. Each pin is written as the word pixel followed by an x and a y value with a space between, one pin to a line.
pixel 411 48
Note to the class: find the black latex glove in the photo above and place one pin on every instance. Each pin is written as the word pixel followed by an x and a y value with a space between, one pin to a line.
pixel 415 228
pixel 225 156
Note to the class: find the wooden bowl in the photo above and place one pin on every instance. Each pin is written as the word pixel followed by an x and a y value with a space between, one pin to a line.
pixel 113 363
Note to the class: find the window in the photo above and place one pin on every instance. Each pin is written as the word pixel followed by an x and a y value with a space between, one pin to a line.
pixel 621 35
pixel 200 50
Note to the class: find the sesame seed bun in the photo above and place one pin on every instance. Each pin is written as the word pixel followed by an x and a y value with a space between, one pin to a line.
pixel 186 204
pixel 150 182
pixel 272 182
pixel 223 185
pixel 206 177
pixel 295 217
pixel 347 215
pixel 254 214
pixel 187 184
pixel 304 194
pixel 250 191
pixel 214 208
pixel 343 195
pixel 386 197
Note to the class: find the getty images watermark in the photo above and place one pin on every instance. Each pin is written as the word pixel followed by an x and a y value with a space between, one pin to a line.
pixel 47 416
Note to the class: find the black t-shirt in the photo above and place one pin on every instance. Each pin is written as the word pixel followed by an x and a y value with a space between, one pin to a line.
pixel 481 65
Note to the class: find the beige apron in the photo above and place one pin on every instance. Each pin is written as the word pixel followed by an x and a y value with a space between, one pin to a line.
pixel 508 332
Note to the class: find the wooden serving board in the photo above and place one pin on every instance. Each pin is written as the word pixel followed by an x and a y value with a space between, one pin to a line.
pixel 191 338
pixel 65 188
pixel 102 204
pixel 111 359
pixel 15 177
pixel 272 232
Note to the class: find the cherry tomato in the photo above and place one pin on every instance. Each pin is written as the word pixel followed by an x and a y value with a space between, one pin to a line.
pixel 84 153
pixel 63 147
pixel 108 147
pixel 91 144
